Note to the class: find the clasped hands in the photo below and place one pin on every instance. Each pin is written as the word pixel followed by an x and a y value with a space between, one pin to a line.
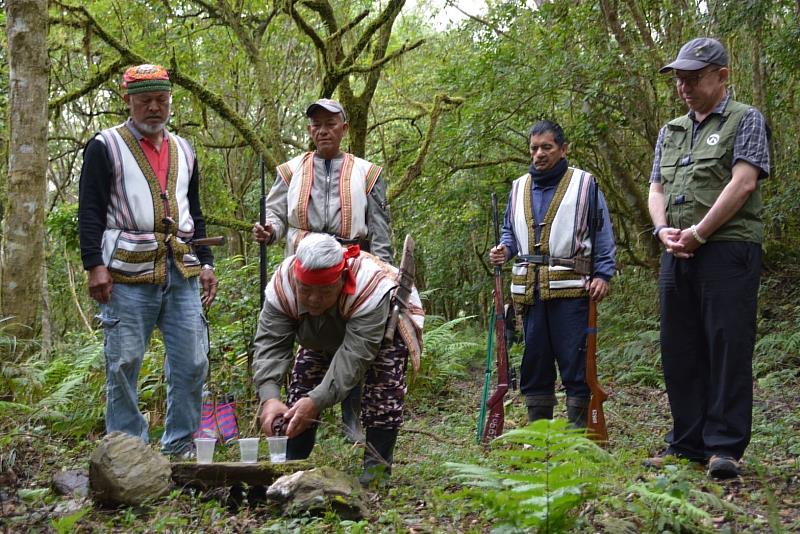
pixel 300 416
pixel 679 243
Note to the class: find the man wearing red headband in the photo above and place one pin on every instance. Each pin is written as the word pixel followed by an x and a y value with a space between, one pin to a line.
pixel 335 303
pixel 139 211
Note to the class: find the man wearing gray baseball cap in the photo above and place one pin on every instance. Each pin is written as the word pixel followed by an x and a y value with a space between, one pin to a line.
pixel 706 207
pixel 330 191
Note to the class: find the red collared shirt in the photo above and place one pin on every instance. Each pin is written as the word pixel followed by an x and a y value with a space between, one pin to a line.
pixel 158 158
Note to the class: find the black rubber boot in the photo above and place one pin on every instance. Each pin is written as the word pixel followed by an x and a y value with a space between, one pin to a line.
pixel 540 407
pixel 299 448
pixel 381 442
pixel 577 411
pixel 351 416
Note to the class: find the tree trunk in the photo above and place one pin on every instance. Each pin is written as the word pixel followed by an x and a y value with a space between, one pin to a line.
pixel 22 252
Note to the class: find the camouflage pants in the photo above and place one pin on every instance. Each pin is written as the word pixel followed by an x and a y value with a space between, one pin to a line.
pixel 384 384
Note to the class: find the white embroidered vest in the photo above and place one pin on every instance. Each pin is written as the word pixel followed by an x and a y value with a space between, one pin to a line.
pixel 356 180
pixel 564 235
pixel 135 242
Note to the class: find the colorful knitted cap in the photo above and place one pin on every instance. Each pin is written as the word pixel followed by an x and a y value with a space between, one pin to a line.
pixel 145 78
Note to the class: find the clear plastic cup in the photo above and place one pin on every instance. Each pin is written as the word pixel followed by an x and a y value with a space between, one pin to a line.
pixel 277 449
pixel 248 449
pixel 205 450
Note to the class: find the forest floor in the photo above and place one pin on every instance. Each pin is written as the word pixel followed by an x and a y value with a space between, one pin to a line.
pixel 424 494
pixel 421 496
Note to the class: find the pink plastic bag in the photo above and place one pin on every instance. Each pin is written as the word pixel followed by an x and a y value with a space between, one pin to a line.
pixel 218 419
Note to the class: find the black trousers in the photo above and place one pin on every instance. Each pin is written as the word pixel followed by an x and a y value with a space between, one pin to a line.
pixel 708 331
pixel 555 333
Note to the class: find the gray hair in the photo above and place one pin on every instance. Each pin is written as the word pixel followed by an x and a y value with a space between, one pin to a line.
pixel 319 251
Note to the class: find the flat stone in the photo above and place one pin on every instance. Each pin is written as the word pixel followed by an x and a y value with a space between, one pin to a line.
pixel 221 474
pixel 72 482
pixel 123 470
pixel 318 490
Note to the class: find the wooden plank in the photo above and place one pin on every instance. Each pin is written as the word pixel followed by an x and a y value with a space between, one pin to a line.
pixel 206 476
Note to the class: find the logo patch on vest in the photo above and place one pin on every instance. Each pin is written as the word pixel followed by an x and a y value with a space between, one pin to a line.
pixel 713 139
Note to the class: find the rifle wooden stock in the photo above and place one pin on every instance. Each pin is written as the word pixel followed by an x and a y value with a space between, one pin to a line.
pixel 596 418
pixel 208 241
pixel 495 405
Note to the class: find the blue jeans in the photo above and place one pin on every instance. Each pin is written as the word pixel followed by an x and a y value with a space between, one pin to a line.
pixel 128 321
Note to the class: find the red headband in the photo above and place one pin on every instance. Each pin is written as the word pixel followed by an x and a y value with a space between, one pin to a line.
pixel 329 275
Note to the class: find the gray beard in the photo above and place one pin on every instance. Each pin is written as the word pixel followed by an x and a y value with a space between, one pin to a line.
pixel 148 129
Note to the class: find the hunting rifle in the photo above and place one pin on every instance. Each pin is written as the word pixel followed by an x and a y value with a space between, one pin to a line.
pixel 262 220
pixel 596 419
pixel 495 404
pixel 262 249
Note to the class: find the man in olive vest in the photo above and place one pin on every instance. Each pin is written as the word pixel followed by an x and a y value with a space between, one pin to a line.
pixel 705 205
pixel 333 192
pixel 546 228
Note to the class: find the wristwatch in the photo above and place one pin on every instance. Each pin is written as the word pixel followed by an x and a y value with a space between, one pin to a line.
pixel 207 267
pixel 658 228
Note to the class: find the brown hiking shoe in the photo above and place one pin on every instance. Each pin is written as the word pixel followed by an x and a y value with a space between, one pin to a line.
pixel 723 467
pixel 667 456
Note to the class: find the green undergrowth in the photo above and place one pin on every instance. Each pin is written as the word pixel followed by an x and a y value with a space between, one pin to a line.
pixel 53 408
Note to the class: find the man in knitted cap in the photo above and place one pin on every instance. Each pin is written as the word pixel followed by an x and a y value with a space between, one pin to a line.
pixel 139 211
pixel 335 303
pixel 706 208
pixel 333 192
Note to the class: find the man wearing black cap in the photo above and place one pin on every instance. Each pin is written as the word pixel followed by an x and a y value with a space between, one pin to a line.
pixel 333 192
pixel 706 207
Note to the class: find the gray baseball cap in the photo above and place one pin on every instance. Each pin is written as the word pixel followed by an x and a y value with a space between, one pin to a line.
pixel 698 53
pixel 329 105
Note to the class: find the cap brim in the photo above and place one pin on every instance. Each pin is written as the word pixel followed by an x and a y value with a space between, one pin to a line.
pixel 684 64
pixel 316 107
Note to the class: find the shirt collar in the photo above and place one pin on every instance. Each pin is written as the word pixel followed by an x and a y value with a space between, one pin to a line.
pixel 719 109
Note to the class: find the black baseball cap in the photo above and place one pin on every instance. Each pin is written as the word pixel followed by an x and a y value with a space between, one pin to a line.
pixel 697 54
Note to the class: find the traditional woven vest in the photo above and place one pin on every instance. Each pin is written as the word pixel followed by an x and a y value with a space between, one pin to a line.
pixel 137 241
pixel 374 278
pixel 694 176
pixel 564 235
pixel 356 180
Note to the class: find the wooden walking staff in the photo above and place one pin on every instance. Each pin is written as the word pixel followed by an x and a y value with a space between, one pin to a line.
pixel 596 419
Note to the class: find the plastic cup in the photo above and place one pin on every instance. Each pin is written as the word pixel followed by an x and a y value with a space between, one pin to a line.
pixel 205 450
pixel 277 449
pixel 248 448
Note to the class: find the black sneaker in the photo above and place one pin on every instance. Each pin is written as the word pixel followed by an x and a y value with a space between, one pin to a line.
pixel 723 467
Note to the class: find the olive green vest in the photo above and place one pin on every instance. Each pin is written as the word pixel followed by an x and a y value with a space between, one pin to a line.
pixel 693 177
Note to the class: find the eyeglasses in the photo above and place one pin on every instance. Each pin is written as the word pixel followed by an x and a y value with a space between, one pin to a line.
pixel 694 79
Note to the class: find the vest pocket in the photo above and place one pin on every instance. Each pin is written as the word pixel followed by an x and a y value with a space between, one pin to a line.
pixel 522 284
pixel 668 169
